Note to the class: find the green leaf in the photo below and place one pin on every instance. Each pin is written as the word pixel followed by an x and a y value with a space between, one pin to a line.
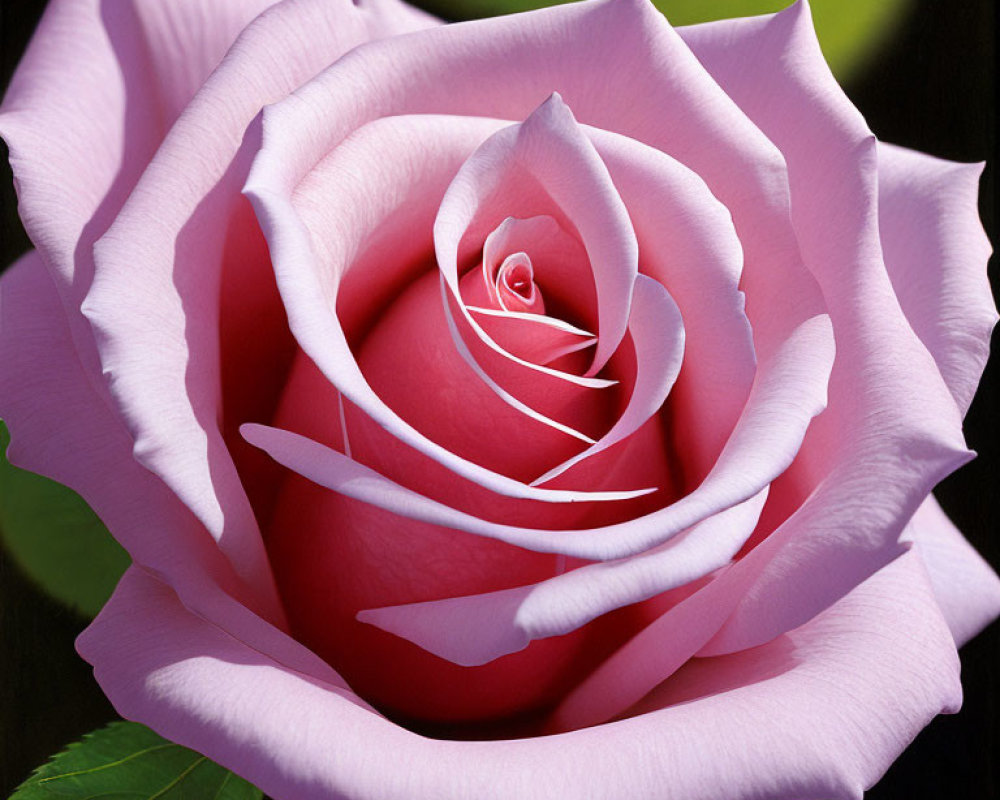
pixel 127 761
pixel 850 31
pixel 56 539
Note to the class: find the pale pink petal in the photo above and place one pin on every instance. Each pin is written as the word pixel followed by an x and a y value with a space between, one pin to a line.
pixel 815 715
pixel 181 43
pixel 156 286
pixel 66 130
pixel 79 137
pixel 936 252
pixel 891 430
pixel 185 41
pixel 333 470
pixel 476 629
pixel 61 428
pixel 965 586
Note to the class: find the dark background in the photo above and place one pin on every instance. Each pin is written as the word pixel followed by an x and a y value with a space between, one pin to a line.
pixel 930 88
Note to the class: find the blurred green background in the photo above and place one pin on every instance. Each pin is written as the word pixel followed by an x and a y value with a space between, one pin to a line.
pixel 921 71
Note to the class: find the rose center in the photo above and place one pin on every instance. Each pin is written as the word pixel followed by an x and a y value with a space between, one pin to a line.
pixel 514 285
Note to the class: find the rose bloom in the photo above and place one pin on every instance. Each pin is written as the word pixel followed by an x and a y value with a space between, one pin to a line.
pixel 544 406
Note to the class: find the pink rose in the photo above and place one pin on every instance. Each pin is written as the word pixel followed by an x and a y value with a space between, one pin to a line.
pixel 561 373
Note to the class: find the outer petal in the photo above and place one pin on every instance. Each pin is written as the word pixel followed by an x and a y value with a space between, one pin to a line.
pixel 891 430
pixel 156 288
pixel 819 713
pixel 65 127
pixel 79 137
pixel 936 252
pixel 966 588
pixel 186 40
pixel 60 427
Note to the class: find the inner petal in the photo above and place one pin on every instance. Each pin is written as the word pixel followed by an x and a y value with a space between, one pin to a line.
pixel 562 270
pixel 549 152
pixel 411 361
pixel 515 286
pixel 511 306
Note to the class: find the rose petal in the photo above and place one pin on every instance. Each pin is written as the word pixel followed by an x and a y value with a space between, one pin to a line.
pixel 657 333
pixel 156 284
pixel 476 629
pixel 65 128
pixel 936 252
pixel 564 271
pixel 79 138
pixel 687 242
pixel 830 706
pixel 551 148
pixel 965 586
pixel 871 476
pixel 60 427
pixel 333 470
